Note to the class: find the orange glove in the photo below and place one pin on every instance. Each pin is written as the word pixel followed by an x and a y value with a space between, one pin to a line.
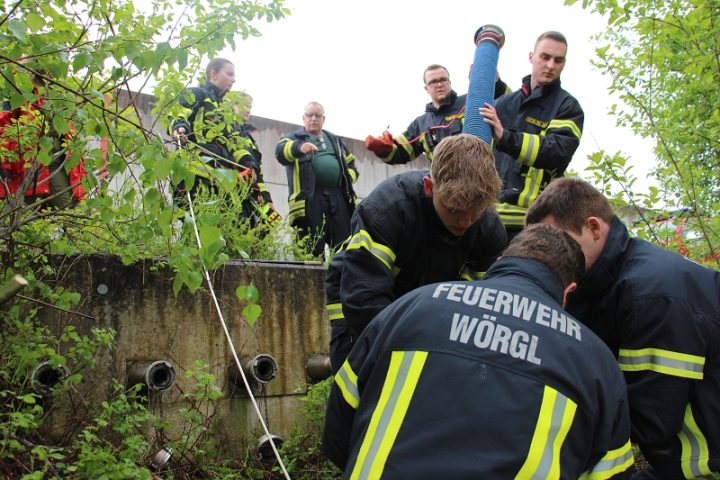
pixel 247 175
pixel 381 146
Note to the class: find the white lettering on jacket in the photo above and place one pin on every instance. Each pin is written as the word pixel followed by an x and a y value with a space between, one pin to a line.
pixel 506 303
pixel 489 335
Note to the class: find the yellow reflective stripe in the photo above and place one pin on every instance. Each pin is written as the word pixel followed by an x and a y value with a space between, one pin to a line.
pixel 426 147
pixel 334 311
pixel 262 187
pixel 353 175
pixel 529 149
pixel 569 124
pixel 554 421
pixel 362 239
pixel 450 118
pixel 695 456
pixel 397 392
pixel 346 380
pixel 662 361
pixel 531 190
pixel 468 273
pixel 612 463
pixel 404 142
pixel 511 215
pixel 287 151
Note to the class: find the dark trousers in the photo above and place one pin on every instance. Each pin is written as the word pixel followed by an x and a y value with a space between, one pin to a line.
pixel 328 219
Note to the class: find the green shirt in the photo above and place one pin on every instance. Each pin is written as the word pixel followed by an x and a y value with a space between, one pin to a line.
pixel 327 165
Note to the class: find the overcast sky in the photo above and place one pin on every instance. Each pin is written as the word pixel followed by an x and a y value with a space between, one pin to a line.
pixel 363 60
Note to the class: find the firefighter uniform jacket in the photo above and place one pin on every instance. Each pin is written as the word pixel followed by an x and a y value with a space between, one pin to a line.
pixel 542 130
pixel 486 379
pixel 660 314
pixel 427 130
pixel 201 117
pixel 250 158
pixel 301 173
pixel 399 243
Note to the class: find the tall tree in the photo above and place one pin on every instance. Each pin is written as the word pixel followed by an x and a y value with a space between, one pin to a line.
pixel 66 70
pixel 663 57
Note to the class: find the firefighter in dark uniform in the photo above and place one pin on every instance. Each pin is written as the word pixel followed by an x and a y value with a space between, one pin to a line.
pixel 660 315
pixel 484 379
pixel 536 131
pixel 413 229
pixel 259 205
pixel 444 117
pixel 206 125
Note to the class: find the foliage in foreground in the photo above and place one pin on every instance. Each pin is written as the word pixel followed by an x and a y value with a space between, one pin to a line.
pixel 668 93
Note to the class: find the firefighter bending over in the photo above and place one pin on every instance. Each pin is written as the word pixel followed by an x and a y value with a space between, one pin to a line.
pixel 484 379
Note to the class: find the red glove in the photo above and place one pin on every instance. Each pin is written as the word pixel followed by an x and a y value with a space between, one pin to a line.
pixel 381 146
pixel 246 175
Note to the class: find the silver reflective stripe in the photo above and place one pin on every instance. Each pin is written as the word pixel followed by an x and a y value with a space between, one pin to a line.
pixel 387 413
pixel 661 361
pixel 556 424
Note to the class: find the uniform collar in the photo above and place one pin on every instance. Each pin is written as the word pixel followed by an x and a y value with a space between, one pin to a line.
pixel 533 270
pixel 449 100
pixel 603 272
pixel 541 90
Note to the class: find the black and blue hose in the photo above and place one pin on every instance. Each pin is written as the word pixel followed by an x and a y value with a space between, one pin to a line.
pixel 489 39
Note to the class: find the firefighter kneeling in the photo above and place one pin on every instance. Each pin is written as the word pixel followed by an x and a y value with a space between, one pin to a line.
pixel 417 398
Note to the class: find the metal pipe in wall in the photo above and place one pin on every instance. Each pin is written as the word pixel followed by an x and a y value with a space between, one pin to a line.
pixel 258 369
pixel 46 376
pixel 157 376
pixel 318 367
pixel 264 448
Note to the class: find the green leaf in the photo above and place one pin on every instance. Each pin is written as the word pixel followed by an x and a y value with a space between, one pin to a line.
pixel 34 21
pixel 17 28
pixel 247 293
pixel 82 60
pixel 251 313
pixel 60 123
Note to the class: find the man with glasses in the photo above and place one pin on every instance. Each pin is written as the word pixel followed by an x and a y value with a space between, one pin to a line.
pixel 321 172
pixel 443 117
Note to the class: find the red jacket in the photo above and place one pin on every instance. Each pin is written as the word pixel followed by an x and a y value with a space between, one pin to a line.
pixel 15 161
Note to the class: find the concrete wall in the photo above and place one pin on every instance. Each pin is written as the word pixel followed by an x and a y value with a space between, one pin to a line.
pixel 152 324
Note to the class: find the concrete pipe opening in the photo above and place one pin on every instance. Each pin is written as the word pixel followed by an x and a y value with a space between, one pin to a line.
pixel 158 376
pixel 318 367
pixel 161 459
pixel 46 376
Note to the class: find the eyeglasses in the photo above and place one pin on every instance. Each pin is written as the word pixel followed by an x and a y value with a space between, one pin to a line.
pixel 316 115
pixel 437 81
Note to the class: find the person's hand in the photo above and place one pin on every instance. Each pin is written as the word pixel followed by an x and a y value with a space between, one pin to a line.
pixel 247 175
pixel 381 146
pixel 308 147
pixel 180 135
pixel 490 116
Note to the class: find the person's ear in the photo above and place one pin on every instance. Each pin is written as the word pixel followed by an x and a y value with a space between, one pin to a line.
pixel 572 286
pixel 595 225
pixel 428 186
